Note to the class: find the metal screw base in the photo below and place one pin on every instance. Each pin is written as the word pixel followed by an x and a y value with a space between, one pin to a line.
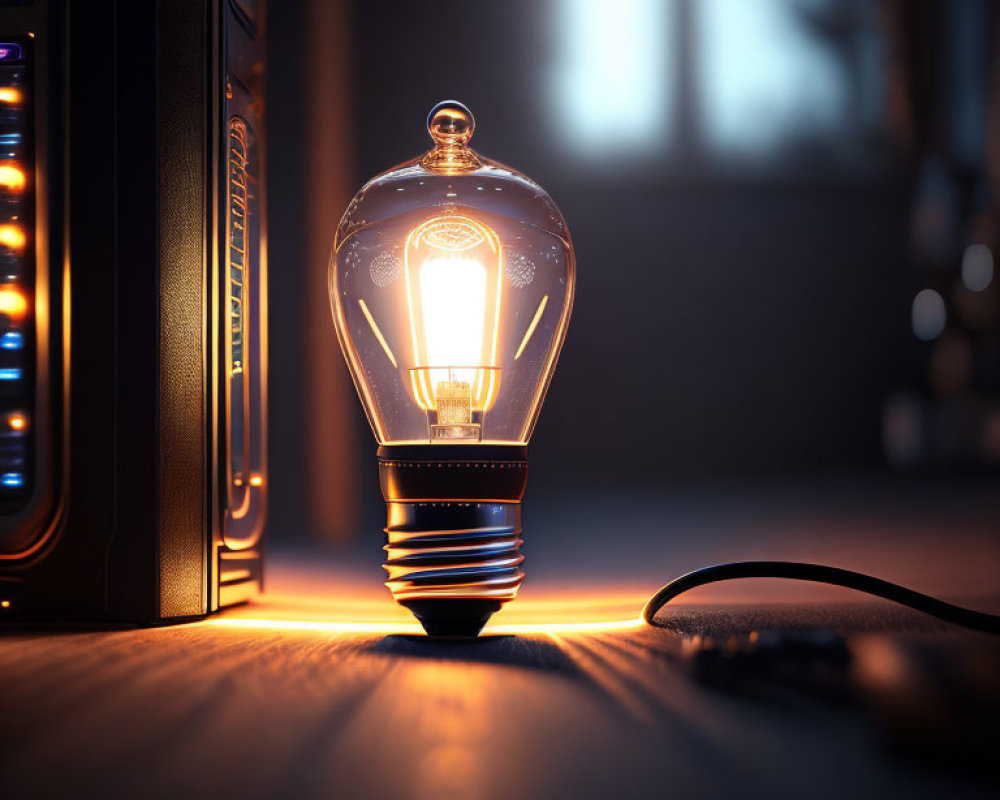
pixel 453 564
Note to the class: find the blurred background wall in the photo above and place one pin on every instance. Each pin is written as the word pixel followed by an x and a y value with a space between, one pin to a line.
pixel 784 213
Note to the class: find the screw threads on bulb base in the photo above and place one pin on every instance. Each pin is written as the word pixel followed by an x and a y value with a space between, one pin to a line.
pixel 453 558
pixel 454 563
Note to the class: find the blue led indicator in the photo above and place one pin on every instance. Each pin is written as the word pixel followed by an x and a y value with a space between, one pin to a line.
pixel 9 139
pixel 12 340
pixel 10 52
pixel 13 480
pixel 10 374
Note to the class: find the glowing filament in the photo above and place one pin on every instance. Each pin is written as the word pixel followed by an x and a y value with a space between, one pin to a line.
pixel 453 285
pixel 453 291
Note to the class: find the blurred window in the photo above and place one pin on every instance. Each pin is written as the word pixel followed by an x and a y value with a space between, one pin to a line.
pixel 612 79
pixel 772 72
pixel 717 79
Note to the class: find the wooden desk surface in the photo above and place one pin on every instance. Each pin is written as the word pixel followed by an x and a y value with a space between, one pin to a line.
pixel 301 697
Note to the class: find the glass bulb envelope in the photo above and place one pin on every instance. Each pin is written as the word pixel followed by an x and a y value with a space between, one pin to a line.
pixel 451 284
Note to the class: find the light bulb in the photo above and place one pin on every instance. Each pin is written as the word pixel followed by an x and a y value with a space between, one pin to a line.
pixel 451 285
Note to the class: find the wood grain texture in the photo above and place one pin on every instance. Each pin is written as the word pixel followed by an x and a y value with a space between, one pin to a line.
pixel 213 710
pixel 208 711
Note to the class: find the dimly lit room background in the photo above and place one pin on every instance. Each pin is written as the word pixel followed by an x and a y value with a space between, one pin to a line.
pixel 785 219
pixel 783 360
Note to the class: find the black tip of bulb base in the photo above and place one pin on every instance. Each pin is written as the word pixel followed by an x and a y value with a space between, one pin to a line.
pixel 453 618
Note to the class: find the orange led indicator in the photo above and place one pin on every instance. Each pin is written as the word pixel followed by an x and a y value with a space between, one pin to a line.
pixel 17 421
pixel 4 603
pixel 12 178
pixel 256 480
pixel 8 94
pixel 12 301
pixel 12 236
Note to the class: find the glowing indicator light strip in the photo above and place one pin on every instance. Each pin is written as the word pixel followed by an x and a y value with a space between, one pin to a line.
pixel 377 332
pixel 12 52
pixel 12 340
pixel 9 94
pixel 531 327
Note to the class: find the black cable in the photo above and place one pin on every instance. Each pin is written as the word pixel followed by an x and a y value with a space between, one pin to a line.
pixel 966 617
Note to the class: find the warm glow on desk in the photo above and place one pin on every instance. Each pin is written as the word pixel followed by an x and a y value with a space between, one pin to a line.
pixel 309 606
pixel 522 628
pixel 315 626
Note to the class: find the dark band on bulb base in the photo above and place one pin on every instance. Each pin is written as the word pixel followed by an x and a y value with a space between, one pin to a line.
pixel 454 531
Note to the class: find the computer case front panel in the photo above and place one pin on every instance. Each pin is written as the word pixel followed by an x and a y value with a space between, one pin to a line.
pixel 131 230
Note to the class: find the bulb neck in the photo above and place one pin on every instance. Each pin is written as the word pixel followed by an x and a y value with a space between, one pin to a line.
pixel 454 531
pixel 451 159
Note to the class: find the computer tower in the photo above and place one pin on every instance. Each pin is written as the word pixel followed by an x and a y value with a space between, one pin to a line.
pixel 133 477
